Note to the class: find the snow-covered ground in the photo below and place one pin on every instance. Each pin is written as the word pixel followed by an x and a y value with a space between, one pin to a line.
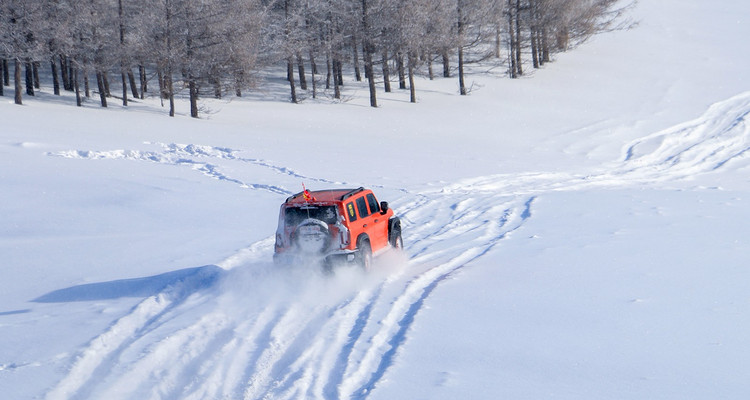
pixel 578 233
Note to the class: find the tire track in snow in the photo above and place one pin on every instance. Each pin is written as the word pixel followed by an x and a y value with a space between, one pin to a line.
pixel 717 139
pixel 93 361
pixel 195 156
pixel 494 224
pixel 299 344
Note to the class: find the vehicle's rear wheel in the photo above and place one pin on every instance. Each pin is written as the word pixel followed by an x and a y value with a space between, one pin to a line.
pixel 364 254
pixel 397 241
pixel 394 233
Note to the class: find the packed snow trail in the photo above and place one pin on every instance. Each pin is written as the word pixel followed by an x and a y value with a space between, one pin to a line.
pixel 255 331
pixel 265 332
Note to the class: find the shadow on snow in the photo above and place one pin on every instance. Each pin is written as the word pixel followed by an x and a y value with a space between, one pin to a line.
pixel 199 277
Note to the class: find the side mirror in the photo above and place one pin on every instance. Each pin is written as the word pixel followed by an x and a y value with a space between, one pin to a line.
pixel 383 207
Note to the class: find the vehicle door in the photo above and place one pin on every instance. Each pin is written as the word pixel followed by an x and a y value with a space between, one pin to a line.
pixel 378 225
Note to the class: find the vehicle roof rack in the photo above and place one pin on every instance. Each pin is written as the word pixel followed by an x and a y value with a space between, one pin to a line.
pixel 352 193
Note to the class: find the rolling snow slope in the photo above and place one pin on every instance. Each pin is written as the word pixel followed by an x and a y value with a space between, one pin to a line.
pixel 568 235
pixel 246 329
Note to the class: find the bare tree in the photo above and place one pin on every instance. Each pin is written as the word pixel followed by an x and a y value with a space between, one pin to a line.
pixel 214 46
pixel 20 39
pixel 368 48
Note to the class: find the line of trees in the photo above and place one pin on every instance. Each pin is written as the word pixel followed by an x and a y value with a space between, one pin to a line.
pixel 215 47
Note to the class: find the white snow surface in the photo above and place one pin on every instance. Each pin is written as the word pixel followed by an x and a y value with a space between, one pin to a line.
pixel 579 233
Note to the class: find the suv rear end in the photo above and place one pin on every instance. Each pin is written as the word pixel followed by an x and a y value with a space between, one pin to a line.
pixel 335 226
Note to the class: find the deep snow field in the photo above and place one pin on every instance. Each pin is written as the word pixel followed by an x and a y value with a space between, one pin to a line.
pixel 579 233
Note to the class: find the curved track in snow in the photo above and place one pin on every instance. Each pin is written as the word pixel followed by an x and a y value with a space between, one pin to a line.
pixel 252 331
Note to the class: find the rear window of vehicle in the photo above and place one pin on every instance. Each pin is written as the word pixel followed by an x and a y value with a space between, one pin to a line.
pixel 373 202
pixel 362 207
pixel 295 215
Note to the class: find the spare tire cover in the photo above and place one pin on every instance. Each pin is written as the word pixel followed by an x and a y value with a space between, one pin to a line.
pixel 312 236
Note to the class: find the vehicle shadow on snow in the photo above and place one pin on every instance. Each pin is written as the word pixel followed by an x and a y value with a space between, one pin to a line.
pixel 199 278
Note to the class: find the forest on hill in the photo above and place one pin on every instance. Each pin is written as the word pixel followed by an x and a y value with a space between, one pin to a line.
pixel 217 47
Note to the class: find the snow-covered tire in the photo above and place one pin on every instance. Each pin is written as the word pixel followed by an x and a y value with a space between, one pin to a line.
pixel 364 254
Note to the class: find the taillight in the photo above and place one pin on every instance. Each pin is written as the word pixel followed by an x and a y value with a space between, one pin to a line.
pixel 345 237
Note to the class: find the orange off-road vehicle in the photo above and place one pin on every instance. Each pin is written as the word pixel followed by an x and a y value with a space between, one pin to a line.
pixel 338 226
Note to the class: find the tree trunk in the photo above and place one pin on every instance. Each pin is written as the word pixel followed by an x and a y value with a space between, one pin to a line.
pixel 535 33
pixel 519 67
pixel 170 90
pixel 144 82
pixel 133 87
pixel 371 78
pixel 313 64
pixel 386 72
pixel 328 71
pixel 6 74
pixel 35 69
pixel 368 49
pixel 29 79
pixel 69 66
pixel 412 90
pixel 86 86
pixel 461 83
pixel 105 80
pixel 64 73
pixel 124 88
pixel 100 87
pixel 290 77
pixel 498 40
pixel 446 65
pixel 355 59
pixel 313 71
pixel 123 63
pixel 239 81
pixel 511 42
pixel 162 85
pixel 401 73
pixel 79 102
pixel 430 72
pixel 540 47
pixel 193 88
pixel 55 78
pixel 217 89
pixel 216 81
pixel 340 71
pixel 534 55
pixel 301 71
pixel 17 78
pixel 336 87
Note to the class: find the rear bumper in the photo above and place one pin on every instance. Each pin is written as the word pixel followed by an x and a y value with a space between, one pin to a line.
pixel 333 257
pixel 341 257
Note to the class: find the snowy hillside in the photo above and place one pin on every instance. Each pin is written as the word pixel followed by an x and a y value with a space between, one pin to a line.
pixel 577 233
